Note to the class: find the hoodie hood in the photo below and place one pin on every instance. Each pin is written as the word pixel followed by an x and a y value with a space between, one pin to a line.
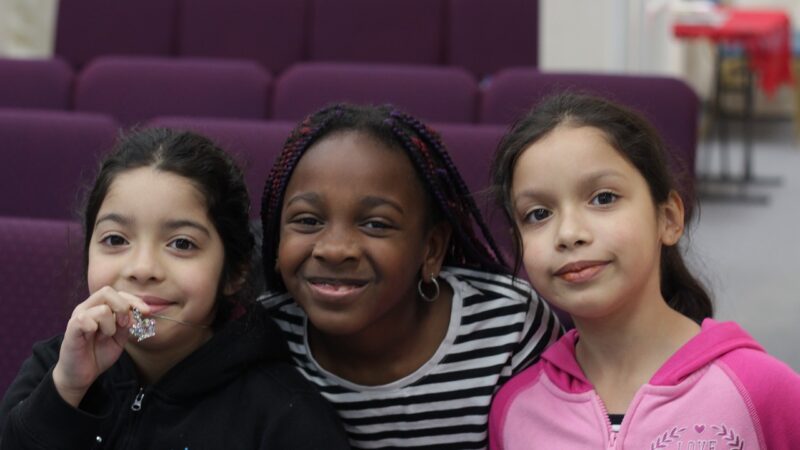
pixel 714 340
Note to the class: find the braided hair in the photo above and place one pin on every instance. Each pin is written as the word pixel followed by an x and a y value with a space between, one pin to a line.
pixel 447 195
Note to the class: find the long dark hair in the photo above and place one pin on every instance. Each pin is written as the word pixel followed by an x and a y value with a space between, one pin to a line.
pixel 447 195
pixel 636 140
pixel 212 171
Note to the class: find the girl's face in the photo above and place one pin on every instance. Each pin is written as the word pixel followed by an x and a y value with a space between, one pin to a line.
pixel 153 238
pixel 591 234
pixel 353 234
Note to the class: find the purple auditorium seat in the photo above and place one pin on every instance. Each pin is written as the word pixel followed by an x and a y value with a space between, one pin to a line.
pixel 136 89
pixel 486 36
pixel 41 272
pixel 35 83
pixel 271 32
pixel 47 157
pixel 443 94
pixel 670 104
pixel 86 29
pixel 254 144
pixel 472 148
pixel 385 31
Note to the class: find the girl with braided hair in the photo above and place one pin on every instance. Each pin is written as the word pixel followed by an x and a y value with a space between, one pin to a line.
pixel 382 273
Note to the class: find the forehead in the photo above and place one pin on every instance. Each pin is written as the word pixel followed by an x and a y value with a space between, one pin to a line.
pixel 355 161
pixel 571 151
pixel 147 190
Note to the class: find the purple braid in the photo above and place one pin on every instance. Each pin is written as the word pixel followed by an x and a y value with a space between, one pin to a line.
pixel 456 181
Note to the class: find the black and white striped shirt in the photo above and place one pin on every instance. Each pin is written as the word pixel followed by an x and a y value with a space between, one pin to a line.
pixel 497 327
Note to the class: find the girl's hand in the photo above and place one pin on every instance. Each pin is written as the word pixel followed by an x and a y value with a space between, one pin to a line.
pixel 95 337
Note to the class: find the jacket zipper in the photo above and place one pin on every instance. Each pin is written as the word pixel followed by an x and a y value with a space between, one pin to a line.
pixel 612 436
pixel 137 402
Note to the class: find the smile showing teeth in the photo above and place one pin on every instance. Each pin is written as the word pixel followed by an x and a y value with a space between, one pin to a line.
pixel 336 288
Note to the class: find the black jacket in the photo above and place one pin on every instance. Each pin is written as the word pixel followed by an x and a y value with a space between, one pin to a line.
pixel 237 391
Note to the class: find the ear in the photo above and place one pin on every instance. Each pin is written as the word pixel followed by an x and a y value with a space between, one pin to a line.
pixel 436 245
pixel 671 215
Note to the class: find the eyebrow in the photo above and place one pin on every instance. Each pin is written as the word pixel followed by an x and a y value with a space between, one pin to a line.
pixel 372 201
pixel 588 180
pixel 169 225
pixel 368 201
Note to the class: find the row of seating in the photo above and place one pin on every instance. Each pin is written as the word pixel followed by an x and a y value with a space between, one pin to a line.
pixel 481 36
pixel 134 90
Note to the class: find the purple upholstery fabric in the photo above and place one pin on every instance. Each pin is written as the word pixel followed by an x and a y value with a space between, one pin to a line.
pixel 444 94
pixel 254 144
pixel 47 157
pixel 472 148
pixel 35 83
pixel 41 274
pixel 486 36
pixel 271 32
pixel 387 31
pixel 136 89
pixel 86 29
pixel 670 104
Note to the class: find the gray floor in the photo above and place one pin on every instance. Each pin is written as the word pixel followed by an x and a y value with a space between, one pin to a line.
pixel 749 254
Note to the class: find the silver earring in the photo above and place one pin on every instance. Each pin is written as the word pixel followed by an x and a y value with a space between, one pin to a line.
pixel 433 297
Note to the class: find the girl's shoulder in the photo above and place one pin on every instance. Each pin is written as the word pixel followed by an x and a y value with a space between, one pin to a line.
pixel 489 285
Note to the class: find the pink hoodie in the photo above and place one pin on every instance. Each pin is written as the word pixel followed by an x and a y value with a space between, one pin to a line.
pixel 719 391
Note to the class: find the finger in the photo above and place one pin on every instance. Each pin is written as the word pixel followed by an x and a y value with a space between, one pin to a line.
pixel 135 302
pixel 104 318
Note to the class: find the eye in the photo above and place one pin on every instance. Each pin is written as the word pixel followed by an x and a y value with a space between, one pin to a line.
pixel 305 223
pixel 113 240
pixel 537 215
pixel 182 244
pixel 376 225
pixel 604 198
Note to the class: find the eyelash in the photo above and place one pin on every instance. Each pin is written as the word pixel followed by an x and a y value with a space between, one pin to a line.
pixel 529 216
pixel 614 195
pixel 106 240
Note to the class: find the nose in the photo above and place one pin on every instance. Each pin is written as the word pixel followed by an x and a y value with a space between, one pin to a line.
pixel 573 230
pixel 144 266
pixel 336 245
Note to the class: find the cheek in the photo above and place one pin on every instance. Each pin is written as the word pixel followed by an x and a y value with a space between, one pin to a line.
pixel 534 255
pixel 99 273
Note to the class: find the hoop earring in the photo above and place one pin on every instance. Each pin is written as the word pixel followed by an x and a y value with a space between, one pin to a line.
pixel 422 294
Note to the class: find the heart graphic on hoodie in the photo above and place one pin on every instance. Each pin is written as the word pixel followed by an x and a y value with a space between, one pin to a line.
pixel 699 428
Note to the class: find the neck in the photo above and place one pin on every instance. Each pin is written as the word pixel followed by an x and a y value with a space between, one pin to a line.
pixel 153 363
pixel 621 353
pixel 391 348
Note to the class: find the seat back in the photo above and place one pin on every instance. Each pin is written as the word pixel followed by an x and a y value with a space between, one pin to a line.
pixel 133 90
pixel 42 277
pixel 86 29
pixel 48 158
pixel 40 83
pixel 486 36
pixel 272 32
pixel 385 31
pixel 444 94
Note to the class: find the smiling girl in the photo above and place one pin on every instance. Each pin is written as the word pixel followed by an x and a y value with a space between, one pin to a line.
pixel 598 219
pixel 167 351
pixel 387 283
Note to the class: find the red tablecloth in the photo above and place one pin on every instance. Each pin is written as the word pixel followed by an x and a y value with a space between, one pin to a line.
pixel 764 35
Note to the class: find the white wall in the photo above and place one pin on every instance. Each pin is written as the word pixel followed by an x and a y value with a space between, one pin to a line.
pixel 27 28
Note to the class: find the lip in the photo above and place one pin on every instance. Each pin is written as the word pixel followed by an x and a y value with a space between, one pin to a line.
pixel 156 303
pixel 580 271
pixel 336 289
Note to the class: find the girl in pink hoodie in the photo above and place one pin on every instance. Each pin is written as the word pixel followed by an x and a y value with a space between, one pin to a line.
pixel 586 186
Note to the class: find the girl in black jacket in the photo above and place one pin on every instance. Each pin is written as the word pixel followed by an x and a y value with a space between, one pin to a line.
pixel 165 353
